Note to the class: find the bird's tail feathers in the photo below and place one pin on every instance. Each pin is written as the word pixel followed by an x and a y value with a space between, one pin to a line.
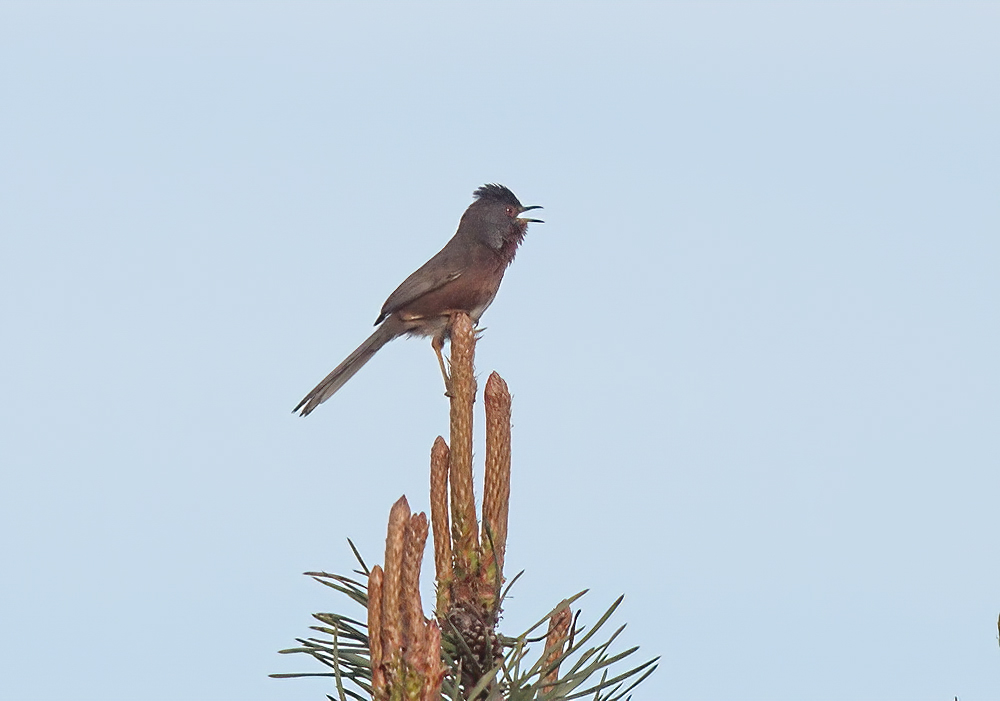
pixel 390 329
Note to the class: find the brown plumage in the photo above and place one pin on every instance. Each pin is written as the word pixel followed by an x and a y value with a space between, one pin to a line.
pixel 463 276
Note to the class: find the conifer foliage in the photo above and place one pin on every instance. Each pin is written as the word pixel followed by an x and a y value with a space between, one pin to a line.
pixel 396 653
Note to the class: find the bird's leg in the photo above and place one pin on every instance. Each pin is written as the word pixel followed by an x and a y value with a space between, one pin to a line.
pixel 437 343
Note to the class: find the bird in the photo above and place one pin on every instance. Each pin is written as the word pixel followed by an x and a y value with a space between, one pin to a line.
pixel 464 276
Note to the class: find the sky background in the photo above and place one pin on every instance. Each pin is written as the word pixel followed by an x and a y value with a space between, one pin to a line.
pixel 753 349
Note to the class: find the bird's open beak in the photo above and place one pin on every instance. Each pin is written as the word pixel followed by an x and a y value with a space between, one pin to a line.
pixel 525 209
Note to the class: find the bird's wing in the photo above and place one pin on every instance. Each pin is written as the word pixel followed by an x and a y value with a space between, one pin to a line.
pixel 437 272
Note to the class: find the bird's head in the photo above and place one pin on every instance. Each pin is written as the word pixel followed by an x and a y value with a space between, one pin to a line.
pixel 495 218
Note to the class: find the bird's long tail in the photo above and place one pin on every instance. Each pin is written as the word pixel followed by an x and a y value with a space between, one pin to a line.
pixel 390 329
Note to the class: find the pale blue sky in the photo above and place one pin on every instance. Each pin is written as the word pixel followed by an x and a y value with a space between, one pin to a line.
pixel 753 349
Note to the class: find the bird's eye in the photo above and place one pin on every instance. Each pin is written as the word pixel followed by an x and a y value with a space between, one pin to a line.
pixel 510 211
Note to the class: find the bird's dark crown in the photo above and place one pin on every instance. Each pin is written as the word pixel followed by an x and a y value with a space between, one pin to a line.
pixel 496 193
